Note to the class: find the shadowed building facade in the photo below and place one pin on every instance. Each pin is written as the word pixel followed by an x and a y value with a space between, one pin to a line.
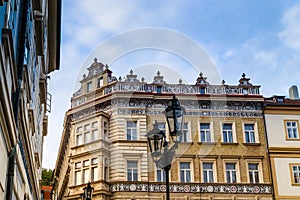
pixel 222 154
pixel 29 52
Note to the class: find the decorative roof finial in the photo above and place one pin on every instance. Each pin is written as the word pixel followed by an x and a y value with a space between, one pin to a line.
pixel 106 66
pixel 131 72
pixel 158 73
pixel 95 59
pixel 201 74
pixel 223 82
pixel 243 75
pixel 143 79
pixel 120 78
pixel 180 81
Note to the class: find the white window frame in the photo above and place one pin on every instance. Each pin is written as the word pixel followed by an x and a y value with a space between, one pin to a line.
pixel 162 175
pixel 186 160
pixel 287 128
pixel 214 169
pixel 79 136
pixel 89 86
pixel 94 168
pixel 234 140
pixel 100 82
pixel 105 130
pixel 138 169
pixel 78 178
pixel 211 133
pixel 255 130
pixel 84 178
pixel 237 166
pixel 186 133
pixel 136 129
pixel 85 131
pixel 260 172
pixel 105 169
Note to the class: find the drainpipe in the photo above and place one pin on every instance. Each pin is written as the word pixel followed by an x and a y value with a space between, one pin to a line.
pixel 16 96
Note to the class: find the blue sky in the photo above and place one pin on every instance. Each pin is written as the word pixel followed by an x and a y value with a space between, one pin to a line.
pixel 260 38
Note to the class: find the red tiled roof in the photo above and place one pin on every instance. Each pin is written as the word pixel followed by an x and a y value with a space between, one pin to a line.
pixel 47 192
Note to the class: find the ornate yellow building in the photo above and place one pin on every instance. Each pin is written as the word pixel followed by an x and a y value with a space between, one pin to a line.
pixel 222 154
pixel 282 116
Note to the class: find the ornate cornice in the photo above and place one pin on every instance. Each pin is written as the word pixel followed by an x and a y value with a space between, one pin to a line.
pixel 194 188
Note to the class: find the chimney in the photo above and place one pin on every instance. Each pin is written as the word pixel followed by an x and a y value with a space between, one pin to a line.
pixel 294 92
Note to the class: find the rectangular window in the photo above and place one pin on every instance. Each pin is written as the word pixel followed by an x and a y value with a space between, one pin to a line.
pixel 291 128
pixel 94 161
pixel 105 170
pixel 202 91
pixel 295 174
pixel 87 127
pixel 160 175
pixel 185 172
pixel 79 129
pixel 185 133
pixel 77 178
pixel 89 86
pixel 227 133
pixel 105 130
pixel 131 130
pixel 231 173
pixel 253 171
pixel 77 165
pixel 208 173
pixel 132 170
pixel 158 89
pixel 79 139
pixel 94 173
pixel 249 133
pixel 86 137
pixel 205 132
pixel 94 124
pixel 95 134
pixel 86 175
pixel 85 163
pixel 100 82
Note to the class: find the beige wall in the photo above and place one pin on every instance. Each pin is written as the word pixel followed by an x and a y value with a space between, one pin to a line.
pixel 283 176
pixel 276 130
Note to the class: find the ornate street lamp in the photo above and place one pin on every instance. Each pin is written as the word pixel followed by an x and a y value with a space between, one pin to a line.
pixel 157 139
pixel 88 192
pixel 175 115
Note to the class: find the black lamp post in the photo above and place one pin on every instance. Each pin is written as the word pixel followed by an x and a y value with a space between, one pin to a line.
pixel 88 192
pixel 162 151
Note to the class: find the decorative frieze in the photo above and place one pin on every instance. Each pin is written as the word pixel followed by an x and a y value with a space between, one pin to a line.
pixel 194 188
pixel 210 108
pixel 181 88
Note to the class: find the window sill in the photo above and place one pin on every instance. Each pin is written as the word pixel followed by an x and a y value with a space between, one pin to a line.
pixel 252 144
pixel 229 143
pixel 189 143
pixel 292 139
pixel 207 143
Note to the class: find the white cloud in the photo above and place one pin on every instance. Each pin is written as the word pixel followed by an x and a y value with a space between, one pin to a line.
pixel 291 33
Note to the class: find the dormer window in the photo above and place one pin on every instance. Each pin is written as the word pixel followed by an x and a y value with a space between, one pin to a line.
pixel 89 86
pixel 280 100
